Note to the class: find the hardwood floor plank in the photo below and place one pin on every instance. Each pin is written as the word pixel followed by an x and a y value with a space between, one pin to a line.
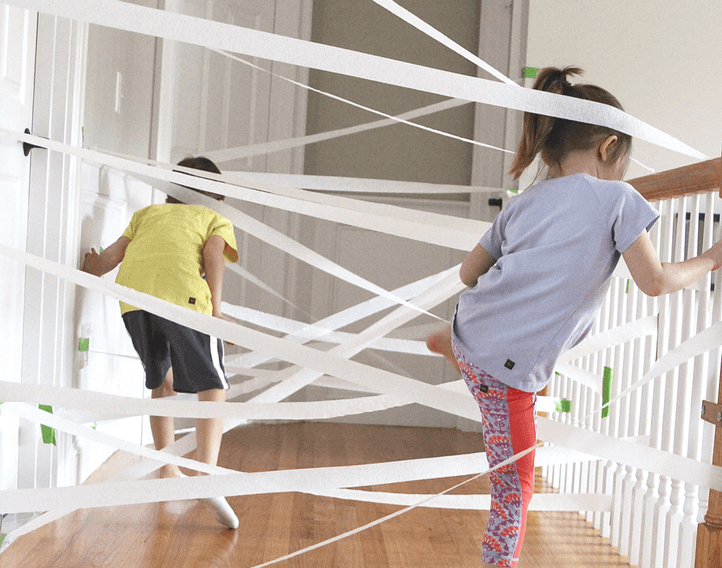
pixel 183 534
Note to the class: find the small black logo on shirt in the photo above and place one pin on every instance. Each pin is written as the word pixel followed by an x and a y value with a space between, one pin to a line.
pixel 191 300
pixel 484 388
pixel 509 364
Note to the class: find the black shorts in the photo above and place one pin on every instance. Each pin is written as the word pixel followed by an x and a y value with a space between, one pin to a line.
pixel 196 358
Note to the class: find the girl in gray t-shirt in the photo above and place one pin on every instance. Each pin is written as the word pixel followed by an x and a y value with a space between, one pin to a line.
pixel 536 281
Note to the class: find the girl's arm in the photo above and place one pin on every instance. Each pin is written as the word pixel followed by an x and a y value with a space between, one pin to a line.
pixel 215 266
pixel 655 278
pixel 99 264
pixel 476 263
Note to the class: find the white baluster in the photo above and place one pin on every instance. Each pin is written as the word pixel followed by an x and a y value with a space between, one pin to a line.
pixel 619 412
pixel 668 489
pixel 688 526
pixel 609 423
pixel 687 320
pixel 654 482
pixel 630 420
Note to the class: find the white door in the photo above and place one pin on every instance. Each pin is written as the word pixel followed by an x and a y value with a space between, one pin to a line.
pixel 17 67
pixel 220 103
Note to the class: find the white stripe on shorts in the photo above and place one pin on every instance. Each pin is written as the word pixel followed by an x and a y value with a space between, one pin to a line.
pixel 216 355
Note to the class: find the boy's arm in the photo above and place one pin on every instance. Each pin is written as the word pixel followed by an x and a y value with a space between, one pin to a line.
pixel 99 264
pixel 215 265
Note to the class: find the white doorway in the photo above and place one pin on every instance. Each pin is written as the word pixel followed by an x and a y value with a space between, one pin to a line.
pixel 17 70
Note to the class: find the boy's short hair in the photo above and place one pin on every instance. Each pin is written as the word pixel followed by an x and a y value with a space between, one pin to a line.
pixel 199 163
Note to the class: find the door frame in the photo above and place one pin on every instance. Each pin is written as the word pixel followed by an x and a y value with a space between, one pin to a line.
pixel 48 356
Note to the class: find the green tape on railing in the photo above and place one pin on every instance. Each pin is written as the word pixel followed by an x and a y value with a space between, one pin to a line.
pixel 83 343
pixel 47 432
pixel 564 405
pixel 606 390
pixel 627 290
pixel 529 72
pixel 2 538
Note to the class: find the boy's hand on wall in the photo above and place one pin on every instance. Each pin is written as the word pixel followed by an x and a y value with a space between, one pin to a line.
pixel 99 264
pixel 92 263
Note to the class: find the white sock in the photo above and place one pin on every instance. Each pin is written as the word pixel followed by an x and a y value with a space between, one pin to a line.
pixel 222 511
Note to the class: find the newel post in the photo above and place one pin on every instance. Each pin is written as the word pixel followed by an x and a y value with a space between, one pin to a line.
pixel 709 534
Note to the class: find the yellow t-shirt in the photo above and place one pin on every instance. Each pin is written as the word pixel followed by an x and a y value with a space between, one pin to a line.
pixel 164 256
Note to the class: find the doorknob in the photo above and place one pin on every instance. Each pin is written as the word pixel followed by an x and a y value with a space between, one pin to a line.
pixel 27 146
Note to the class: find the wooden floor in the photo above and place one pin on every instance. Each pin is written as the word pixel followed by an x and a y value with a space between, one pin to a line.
pixel 184 535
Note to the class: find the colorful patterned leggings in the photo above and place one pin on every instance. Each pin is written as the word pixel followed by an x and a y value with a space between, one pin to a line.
pixel 508 419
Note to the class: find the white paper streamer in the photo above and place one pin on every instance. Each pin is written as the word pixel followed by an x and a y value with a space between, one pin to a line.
pixel 432 297
pixel 239 219
pixel 594 343
pixel 52 420
pixel 412 391
pixel 663 463
pixel 704 341
pixel 307 332
pixel 641 327
pixel 243 273
pixel 316 481
pixel 230 154
pixel 391 117
pixel 433 228
pixel 582 376
pixel 432 32
pixel 375 379
pixel 353 185
pixel 540 501
pixel 62 397
pixel 149 21
pixel 350 315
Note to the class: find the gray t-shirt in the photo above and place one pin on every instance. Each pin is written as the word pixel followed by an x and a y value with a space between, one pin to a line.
pixel 556 246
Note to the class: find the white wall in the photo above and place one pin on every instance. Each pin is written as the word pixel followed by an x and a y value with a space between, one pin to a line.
pixel 660 58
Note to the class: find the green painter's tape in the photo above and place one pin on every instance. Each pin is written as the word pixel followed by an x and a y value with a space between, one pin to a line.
pixel 47 431
pixel 2 538
pixel 564 405
pixel 529 72
pixel 627 290
pixel 606 390
pixel 83 343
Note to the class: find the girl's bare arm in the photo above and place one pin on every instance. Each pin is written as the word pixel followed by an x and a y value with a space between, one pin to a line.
pixel 655 278
pixel 476 263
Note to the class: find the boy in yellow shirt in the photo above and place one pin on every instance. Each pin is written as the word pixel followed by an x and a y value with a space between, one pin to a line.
pixel 177 252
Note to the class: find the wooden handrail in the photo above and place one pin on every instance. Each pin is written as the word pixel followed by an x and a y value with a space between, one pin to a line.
pixel 697 178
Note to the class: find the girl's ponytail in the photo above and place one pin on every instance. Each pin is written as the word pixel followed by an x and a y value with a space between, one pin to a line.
pixel 555 137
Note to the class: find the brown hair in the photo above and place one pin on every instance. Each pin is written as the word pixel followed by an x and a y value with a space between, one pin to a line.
pixel 556 137
pixel 199 163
